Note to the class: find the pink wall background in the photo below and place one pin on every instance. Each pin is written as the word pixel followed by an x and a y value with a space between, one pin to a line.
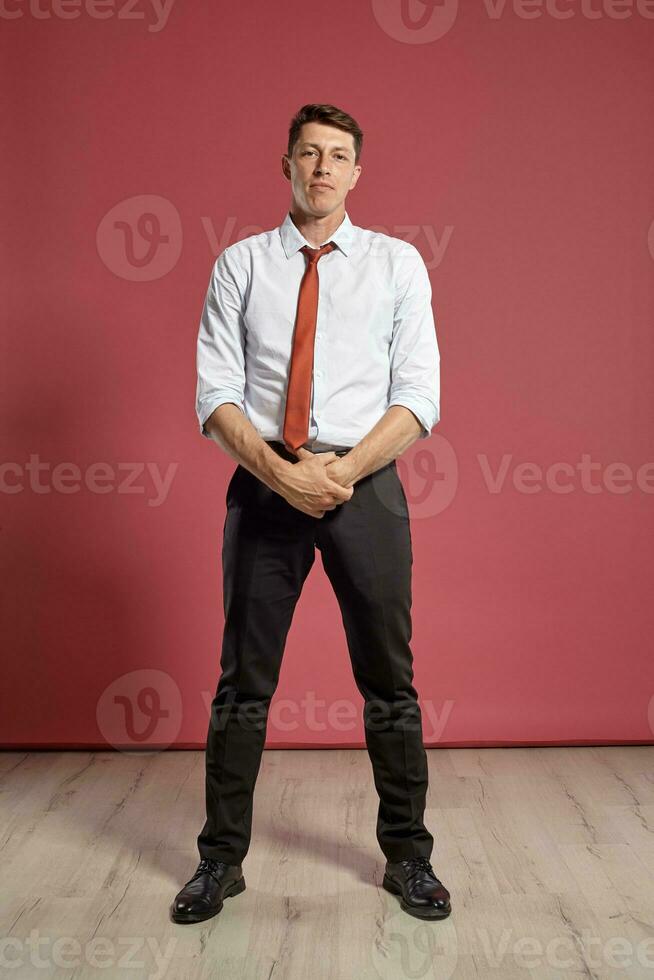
pixel 515 152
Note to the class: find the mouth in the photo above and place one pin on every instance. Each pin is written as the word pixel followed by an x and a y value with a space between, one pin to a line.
pixel 326 187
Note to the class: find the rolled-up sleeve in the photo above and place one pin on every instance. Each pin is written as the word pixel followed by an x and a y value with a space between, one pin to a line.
pixel 220 357
pixel 414 353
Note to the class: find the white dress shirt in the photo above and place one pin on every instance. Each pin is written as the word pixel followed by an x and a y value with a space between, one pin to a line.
pixel 375 343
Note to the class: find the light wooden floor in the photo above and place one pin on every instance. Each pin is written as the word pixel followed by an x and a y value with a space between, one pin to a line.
pixel 548 854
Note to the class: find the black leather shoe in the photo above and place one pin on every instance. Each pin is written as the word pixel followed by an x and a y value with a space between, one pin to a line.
pixel 203 895
pixel 421 893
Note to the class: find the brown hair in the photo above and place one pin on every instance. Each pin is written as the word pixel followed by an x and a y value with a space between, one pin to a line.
pixel 329 115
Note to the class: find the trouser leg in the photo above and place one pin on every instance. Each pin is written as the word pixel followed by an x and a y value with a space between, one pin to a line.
pixel 268 550
pixel 366 552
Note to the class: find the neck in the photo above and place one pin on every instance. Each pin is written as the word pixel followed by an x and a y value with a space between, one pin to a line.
pixel 316 229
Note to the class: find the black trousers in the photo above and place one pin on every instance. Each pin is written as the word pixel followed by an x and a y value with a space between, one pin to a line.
pixel 268 550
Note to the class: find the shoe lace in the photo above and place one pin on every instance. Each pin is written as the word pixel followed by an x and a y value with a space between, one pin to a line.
pixel 208 866
pixel 415 864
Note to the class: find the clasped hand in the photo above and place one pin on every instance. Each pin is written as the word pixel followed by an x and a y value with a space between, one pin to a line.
pixel 318 482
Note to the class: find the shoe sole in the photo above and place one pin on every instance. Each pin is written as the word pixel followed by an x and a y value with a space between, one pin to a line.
pixel 234 889
pixel 420 913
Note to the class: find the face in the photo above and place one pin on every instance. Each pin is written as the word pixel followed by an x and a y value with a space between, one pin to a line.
pixel 321 169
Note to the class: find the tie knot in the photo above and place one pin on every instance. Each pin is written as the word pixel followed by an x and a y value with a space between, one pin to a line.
pixel 313 254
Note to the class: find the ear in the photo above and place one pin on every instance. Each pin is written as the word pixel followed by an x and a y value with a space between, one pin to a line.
pixel 356 173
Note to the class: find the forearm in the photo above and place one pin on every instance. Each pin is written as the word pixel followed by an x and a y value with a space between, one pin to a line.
pixel 231 429
pixel 396 430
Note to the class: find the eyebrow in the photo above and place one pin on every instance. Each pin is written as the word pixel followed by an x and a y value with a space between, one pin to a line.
pixel 346 148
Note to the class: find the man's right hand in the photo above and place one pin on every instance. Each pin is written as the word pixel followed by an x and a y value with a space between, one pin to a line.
pixel 306 486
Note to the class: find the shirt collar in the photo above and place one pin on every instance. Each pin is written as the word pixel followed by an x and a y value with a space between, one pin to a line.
pixel 293 239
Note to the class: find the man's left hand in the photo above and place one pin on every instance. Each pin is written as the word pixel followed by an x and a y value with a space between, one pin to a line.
pixel 340 471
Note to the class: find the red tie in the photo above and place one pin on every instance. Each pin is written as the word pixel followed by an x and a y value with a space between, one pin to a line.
pixel 298 397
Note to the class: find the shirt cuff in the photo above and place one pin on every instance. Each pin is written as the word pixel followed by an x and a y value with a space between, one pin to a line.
pixel 209 405
pixel 425 410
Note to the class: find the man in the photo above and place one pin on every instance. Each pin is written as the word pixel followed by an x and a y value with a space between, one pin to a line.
pixel 317 366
